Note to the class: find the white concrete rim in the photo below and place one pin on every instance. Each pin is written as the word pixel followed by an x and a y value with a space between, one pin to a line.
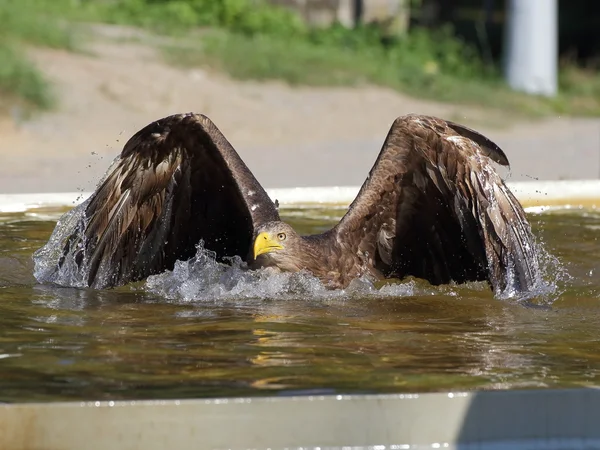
pixel 523 419
pixel 532 194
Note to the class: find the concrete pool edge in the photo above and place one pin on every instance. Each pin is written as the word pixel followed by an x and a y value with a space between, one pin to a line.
pixel 540 419
pixel 530 193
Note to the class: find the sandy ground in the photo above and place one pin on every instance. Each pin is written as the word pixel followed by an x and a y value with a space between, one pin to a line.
pixel 287 136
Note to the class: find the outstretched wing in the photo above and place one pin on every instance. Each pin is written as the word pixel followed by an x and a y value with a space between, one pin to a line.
pixel 434 207
pixel 178 181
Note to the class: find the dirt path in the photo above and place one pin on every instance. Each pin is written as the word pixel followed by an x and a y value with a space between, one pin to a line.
pixel 287 136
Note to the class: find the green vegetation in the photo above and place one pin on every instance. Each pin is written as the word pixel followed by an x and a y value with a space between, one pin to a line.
pixel 425 64
pixel 20 82
pixel 250 39
pixel 179 16
pixel 21 24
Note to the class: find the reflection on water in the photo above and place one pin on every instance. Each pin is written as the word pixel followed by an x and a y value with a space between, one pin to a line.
pixel 133 342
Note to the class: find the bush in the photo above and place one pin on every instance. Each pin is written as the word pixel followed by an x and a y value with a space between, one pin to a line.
pixel 28 22
pixel 31 22
pixel 174 16
pixel 21 82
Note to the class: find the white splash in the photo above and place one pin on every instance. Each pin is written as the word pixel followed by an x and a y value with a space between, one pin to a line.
pixel 202 278
pixel 46 259
pixel 550 274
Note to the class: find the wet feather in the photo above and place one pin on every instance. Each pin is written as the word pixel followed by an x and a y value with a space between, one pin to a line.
pixel 432 206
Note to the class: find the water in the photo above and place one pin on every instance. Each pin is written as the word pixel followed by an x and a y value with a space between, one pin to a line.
pixel 221 332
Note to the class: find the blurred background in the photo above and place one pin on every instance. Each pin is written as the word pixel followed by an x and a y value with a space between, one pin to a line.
pixel 305 90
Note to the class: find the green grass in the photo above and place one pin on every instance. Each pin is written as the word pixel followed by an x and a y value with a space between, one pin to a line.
pixel 265 58
pixel 419 66
pixel 179 16
pixel 414 63
pixel 249 39
pixel 31 22
pixel 21 83
pixel 23 23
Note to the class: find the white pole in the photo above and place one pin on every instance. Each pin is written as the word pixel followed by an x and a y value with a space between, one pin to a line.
pixel 345 15
pixel 531 63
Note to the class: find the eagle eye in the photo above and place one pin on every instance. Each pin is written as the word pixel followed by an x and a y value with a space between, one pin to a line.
pixel 281 236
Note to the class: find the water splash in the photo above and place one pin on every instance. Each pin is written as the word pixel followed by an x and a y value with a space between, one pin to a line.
pixel 202 278
pixel 550 277
pixel 50 263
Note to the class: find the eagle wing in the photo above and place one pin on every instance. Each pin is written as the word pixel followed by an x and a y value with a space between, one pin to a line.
pixel 177 181
pixel 434 207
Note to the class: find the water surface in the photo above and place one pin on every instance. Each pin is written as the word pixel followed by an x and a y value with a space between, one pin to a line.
pixel 176 337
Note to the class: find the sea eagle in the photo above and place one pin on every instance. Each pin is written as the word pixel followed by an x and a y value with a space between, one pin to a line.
pixel 433 206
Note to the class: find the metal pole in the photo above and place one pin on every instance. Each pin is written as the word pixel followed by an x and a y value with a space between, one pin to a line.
pixel 531 58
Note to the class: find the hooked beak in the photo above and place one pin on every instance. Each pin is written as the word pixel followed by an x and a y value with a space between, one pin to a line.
pixel 264 243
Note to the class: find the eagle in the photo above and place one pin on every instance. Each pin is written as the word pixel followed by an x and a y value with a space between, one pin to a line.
pixel 433 206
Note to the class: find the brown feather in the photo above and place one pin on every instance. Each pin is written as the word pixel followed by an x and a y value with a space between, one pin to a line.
pixel 455 217
pixel 433 206
pixel 178 181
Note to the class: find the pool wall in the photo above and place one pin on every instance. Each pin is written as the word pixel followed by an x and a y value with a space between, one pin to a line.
pixel 528 419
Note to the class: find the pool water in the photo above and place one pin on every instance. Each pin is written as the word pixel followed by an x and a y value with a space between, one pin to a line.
pixel 187 334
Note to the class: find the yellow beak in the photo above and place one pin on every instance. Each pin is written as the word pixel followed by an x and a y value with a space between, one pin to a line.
pixel 264 243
